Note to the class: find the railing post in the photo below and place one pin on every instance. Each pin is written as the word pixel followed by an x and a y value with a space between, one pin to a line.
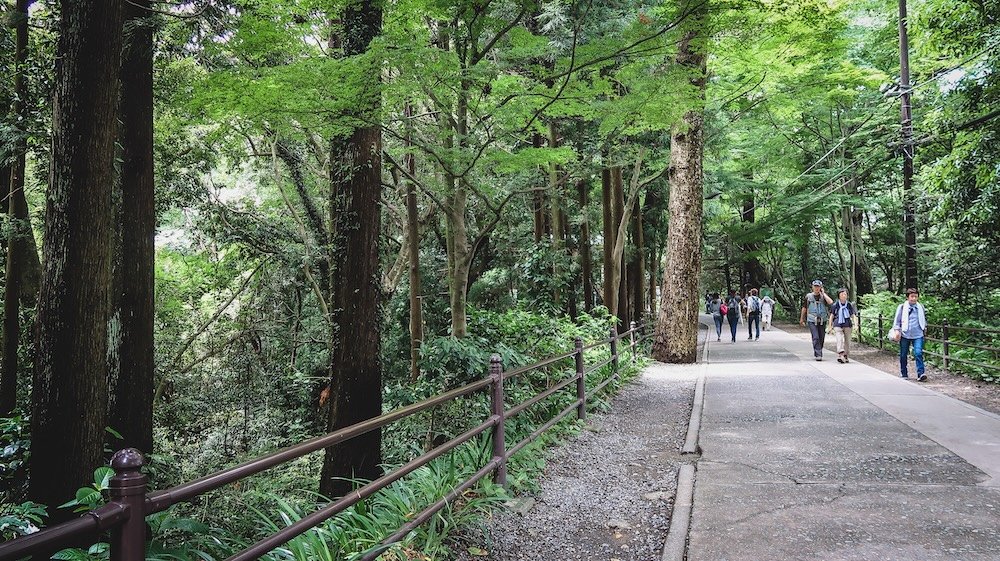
pixel 614 351
pixel 497 406
pixel 631 340
pixel 944 342
pixel 881 334
pixel 581 382
pixel 859 326
pixel 128 488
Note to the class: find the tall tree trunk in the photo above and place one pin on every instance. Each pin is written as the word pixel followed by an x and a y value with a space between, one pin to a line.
pixel 754 274
pixel 610 294
pixel 556 220
pixel 619 266
pixel 413 256
pixel 70 378
pixel 676 338
pixel 461 250
pixel 538 200
pixel 356 378
pixel 586 259
pixel 637 266
pixel 131 410
pixel 23 268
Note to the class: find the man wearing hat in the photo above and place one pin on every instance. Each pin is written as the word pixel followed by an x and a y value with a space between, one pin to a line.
pixel 815 312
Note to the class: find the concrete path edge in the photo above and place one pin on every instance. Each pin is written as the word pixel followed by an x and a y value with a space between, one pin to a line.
pixel 675 547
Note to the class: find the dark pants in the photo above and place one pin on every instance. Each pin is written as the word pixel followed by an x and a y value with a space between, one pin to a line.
pixel 818 336
pixel 733 320
pixel 753 318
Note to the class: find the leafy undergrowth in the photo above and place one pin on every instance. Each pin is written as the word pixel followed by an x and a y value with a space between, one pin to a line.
pixel 218 526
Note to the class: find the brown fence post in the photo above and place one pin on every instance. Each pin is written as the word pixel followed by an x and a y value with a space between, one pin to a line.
pixel 859 326
pixel 614 351
pixel 128 488
pixel 631 340
pixel 499 447
pixel 881 335
pixel 581 382
pixel 944 342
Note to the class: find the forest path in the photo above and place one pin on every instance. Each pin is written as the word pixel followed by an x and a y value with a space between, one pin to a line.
pixel 811 460
pixel 606 493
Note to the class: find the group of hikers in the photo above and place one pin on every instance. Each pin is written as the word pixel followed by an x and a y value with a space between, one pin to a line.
pixel 736 308
pixel 823 314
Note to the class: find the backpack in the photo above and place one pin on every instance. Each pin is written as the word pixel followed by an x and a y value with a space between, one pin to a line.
pixel 723 309
pixel 733 305
pixel 754 304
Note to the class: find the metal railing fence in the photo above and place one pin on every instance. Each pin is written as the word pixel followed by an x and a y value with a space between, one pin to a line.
pixel 130 502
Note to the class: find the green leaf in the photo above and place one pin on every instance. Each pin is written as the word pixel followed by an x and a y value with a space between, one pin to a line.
pixel 102 476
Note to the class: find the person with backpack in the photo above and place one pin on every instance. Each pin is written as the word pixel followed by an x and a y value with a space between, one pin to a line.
pixel 766 309
pixel 753 315
pixel 815 312
pixel 909 328
pixel 733 311
pixel 716 307
pixel 842 315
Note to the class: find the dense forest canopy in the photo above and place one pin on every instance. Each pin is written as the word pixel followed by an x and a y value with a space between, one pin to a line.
pixel 269 218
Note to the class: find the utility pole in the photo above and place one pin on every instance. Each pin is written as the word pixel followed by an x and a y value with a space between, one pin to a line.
pixel 909 223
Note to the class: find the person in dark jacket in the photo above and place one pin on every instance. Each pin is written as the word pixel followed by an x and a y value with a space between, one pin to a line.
pixel 733 316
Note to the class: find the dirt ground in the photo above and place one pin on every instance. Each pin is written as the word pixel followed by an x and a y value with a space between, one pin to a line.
pixel 984 395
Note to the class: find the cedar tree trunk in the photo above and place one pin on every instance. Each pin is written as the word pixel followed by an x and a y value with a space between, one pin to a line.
pixel 677 328
pixel 131 407
pixel 69 394
pixel 356 377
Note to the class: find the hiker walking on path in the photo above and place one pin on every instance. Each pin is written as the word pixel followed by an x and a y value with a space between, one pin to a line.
pixel 815 312
pixel 766 309
pixel 842 315
pixel 909 328
pixel 753 314
pixel 733 315
pixel 715 306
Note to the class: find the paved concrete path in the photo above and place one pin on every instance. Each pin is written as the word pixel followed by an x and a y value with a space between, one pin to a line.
pixel 805 460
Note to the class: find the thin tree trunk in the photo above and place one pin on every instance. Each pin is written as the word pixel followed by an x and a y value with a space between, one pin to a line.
pixel 413 255
pixel 70 378
pixel 610 228
pixel 586 259
pixel 356 376
pixel 555 208
pixel 676 338
pixel 131 411
pixel 637 274
pixel 461 254
pixel 537 200
pixel 620 268
pixel 23 269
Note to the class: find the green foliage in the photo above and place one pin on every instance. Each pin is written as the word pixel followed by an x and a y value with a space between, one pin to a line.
pixel 20 519
pixel 15 448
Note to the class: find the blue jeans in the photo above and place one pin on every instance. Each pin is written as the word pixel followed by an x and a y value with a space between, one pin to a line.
pixel 918 355
pixel 733 320
pixel 718 325
pixel 753 318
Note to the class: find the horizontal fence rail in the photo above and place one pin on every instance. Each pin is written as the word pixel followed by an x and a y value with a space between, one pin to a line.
pixel 941 343
pixel 129 504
